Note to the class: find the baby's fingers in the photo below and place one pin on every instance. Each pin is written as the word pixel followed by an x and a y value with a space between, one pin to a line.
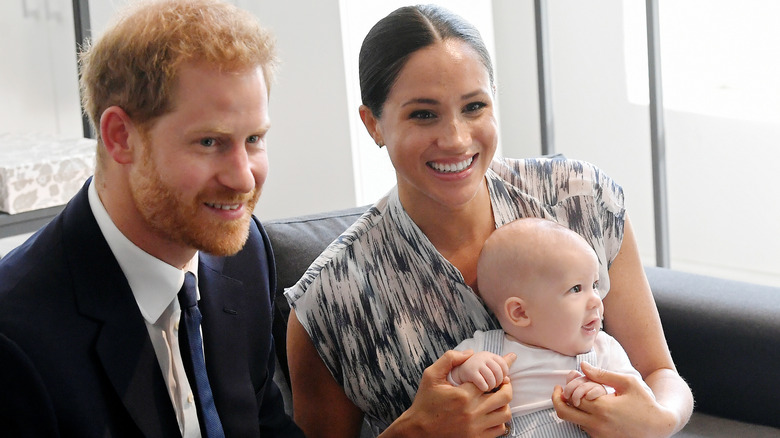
pixel 573 374
pixel 576 395
pixel 491 375
pixel 573 381
pixel 481 381
pixel 595 392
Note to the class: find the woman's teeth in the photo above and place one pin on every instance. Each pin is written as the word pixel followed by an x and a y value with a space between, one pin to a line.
pixel 451 168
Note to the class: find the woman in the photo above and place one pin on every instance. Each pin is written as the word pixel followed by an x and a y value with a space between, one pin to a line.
pixel 398 289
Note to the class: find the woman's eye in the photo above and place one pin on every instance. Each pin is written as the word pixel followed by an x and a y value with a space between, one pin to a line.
pixel 208 142
pixel 475 106
pixel 423 115
pixel 576 289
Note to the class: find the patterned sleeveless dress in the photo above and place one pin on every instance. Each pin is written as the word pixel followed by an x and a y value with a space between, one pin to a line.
pixel 381 303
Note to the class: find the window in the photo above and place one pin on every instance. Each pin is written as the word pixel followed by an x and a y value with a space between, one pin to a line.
pixel 721 92
pixel 719 58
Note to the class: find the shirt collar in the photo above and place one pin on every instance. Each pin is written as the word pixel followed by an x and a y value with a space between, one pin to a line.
pixel 154 283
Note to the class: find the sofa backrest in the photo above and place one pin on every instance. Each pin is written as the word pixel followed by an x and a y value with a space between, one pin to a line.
pixel 724 336
pixel 296 243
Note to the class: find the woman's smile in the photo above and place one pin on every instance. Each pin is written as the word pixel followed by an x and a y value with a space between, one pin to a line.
pixel 451 167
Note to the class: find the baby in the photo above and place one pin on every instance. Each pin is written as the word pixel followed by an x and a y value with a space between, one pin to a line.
pixel 541 281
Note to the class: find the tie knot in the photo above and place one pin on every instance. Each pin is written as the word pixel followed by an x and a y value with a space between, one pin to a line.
pixel 187 294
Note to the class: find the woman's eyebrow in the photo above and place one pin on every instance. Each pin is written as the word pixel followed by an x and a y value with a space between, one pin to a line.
pixel 423 100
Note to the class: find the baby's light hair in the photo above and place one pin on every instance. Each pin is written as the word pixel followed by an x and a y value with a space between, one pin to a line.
pixel 519 248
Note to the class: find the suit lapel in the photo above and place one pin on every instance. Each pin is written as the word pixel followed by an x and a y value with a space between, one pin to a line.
pixel 226 339
pixel 222 305
pixel 123 345
pixel 221 302
pixel 236 331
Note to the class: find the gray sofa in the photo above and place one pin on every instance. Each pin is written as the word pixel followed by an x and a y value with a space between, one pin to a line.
pixel 724 335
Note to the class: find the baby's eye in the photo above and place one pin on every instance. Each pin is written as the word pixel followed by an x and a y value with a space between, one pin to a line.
pixel 595 285
pixel 576 289
pixel 208 142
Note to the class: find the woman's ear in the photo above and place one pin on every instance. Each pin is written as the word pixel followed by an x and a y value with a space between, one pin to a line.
pixel 115 129
pixel 517 312
pixel 372 125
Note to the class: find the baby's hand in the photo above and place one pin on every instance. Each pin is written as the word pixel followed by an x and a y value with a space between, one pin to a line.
pixel 484 369
pixel 579 387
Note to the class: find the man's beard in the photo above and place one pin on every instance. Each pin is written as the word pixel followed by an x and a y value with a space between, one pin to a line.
pixel 181 220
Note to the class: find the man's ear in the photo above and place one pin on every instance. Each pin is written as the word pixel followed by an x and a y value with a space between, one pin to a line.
pixel 115 131
pixel 517 312
pixel 372 125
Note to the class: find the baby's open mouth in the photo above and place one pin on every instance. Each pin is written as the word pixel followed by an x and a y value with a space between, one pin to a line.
pixel 593 325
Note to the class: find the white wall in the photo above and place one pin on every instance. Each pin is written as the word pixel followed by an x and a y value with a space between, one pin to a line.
pixel 38 80
pixel 515 64
pixel 309 143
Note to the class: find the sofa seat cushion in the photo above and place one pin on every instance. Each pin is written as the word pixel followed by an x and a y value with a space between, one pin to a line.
pixel 710 426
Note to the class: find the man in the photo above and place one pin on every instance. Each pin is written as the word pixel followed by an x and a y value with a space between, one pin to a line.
pixel 90 341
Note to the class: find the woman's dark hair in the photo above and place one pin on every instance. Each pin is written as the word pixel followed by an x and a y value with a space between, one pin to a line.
pixel 391 42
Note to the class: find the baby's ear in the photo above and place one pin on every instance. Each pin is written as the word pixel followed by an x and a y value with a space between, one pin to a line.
pixel 516 311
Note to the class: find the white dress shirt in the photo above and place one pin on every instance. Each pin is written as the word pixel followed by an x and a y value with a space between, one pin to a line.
pixel 155 285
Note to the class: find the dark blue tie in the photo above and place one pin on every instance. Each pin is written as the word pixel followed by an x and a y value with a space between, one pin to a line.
pixel 191 347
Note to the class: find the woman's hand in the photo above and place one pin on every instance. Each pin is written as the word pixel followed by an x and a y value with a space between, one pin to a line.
pixel 443 410
pixel 630 412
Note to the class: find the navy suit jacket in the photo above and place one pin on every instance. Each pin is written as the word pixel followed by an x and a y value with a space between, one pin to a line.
pixel 75 355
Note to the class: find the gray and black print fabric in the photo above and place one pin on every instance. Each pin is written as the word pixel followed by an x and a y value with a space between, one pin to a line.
pixel 381 304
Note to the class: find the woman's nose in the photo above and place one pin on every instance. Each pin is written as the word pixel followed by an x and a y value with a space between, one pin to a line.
pixel 455 135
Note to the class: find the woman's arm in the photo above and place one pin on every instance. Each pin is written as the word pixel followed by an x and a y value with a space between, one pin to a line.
pixel 630 315
pixel 322 409
pixel 320 406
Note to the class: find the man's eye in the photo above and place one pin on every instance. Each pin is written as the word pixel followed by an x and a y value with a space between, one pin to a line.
pixel 576 289
pixel 253 139
pixel 208 142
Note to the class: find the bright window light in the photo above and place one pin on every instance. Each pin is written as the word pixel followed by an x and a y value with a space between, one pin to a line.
pixel 719 57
